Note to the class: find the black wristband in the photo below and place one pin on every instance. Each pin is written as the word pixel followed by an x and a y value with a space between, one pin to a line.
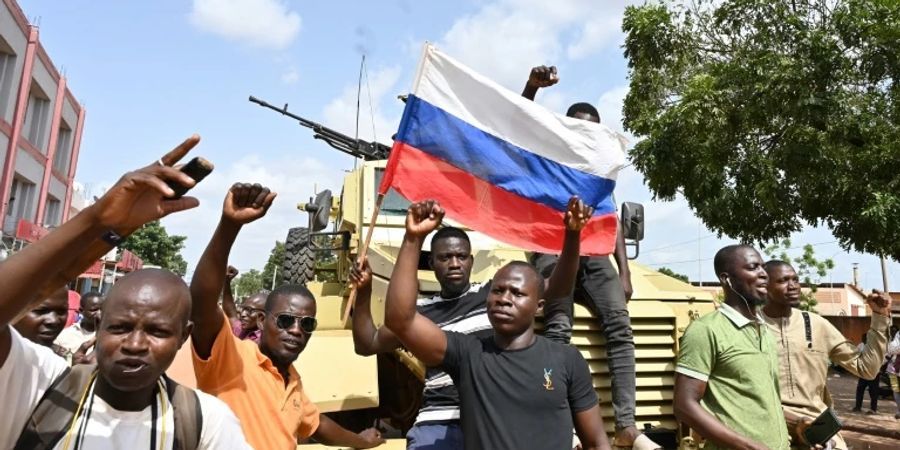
pixel 112 238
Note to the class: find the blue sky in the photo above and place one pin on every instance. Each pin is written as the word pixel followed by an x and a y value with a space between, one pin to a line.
pixel 152 73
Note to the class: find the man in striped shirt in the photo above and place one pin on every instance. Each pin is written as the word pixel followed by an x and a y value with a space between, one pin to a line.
pixel 460 306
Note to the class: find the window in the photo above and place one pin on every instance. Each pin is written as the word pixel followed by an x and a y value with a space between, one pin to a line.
pixel 7 72
pixel 21 198
pixel 52 217
pixel 37 117
pixel 63 149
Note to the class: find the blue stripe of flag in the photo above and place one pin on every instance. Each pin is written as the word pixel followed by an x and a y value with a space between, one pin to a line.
pixel 501 163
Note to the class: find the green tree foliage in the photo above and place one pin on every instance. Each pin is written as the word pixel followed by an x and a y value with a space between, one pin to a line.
pixel 673 274
pixel 248 283
pixel 273 266
pixel 154 245
pixel 766 114
pixel 809 268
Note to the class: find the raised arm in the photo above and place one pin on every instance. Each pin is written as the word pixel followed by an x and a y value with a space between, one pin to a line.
pixel 244 203
pixel 867 363
pixel 688 392
pixel 620 254
pixel 33 273
pixel 540 77
pixel 367 338
pixel 562 279
pixel 228 296
pixel 417 333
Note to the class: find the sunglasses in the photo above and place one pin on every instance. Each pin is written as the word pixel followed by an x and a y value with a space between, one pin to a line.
pixel 308 324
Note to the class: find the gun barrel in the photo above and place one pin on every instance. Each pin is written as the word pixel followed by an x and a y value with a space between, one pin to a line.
pixel 336 139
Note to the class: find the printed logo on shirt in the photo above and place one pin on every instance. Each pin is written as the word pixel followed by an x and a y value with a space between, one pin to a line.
pixel 548 382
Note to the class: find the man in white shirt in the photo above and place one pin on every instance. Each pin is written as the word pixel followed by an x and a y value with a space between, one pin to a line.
pixel 124 401
pixel 80 332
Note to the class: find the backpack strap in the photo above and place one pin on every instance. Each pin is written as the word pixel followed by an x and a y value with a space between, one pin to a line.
pixel 53 414
pixel 808 329
pixel 187 415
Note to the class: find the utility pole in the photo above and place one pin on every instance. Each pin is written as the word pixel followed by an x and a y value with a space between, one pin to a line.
pixel 884 275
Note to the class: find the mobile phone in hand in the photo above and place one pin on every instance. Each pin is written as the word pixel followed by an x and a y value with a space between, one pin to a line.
pixel 197 168
pixel 823 428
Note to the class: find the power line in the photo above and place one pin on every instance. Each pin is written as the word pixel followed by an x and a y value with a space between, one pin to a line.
pixel 678 243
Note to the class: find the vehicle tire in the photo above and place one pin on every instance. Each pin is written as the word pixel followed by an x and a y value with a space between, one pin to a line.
pixel 299 260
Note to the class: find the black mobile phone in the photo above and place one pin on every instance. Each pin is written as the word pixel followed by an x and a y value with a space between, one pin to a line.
pixel 197 168
pixel 823 428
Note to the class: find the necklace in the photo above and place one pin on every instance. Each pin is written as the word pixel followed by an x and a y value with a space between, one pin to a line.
pixel 88 395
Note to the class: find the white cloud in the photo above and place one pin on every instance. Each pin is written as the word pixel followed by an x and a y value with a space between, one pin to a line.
pixel 292 76
pixel 595 35
pixel 259 23
pixel 505 38
pixel 340 113
pixel 293 178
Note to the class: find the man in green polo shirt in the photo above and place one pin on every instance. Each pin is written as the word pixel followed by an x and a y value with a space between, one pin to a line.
pixel 726 381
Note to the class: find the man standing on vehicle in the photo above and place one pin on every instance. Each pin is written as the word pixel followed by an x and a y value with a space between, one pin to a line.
pixel 806 343
pixel 517 390
pixel 606 292
pixel 459 307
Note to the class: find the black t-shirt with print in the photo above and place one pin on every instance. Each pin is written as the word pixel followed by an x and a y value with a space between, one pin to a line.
pixel 520 399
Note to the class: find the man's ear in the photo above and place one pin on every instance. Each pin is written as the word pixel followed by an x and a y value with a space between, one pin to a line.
pixel 186 333
pixel 540 306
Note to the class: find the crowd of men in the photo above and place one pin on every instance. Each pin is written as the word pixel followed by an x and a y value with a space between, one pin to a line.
pixel 751 374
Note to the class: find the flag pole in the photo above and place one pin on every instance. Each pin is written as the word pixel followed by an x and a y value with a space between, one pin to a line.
pixel 345 318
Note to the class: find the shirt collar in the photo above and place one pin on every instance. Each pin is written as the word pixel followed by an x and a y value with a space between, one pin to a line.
pixel 734 316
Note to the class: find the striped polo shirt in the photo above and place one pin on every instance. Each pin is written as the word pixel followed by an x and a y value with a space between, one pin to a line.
pixel 465 314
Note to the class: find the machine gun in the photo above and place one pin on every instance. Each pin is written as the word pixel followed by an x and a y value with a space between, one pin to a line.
pixel 357 148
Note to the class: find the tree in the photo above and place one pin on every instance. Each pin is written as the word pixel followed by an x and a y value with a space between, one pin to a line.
pixel 809 268
pixel 673 274
pixel 765 114
pixel 248 283
pixel 154 246
pixel 273 266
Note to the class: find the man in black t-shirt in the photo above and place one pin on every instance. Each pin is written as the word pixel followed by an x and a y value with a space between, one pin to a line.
pixel 517 389
pixel 460 306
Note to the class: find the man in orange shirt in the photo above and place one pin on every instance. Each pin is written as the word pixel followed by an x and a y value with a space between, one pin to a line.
pixel 258 381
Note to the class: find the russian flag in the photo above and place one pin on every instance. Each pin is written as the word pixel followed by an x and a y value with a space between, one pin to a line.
pixel 501 164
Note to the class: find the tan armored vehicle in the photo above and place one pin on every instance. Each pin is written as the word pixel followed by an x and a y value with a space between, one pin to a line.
pixel 360 391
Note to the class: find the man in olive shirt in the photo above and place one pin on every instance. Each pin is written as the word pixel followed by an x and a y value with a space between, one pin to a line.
pixel 725 382
pixel 806 342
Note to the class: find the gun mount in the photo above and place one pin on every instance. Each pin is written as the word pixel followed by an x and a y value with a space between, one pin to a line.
pixel 357 148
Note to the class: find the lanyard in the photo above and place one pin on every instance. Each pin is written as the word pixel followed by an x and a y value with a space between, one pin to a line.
pixel 88 395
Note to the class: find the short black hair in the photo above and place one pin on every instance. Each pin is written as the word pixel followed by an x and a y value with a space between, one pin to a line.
pixel 582 107
pixel 773 264
pixel 89 295
pixel 724 258
pixel 450 232
pixel 537 274
pixel 288 290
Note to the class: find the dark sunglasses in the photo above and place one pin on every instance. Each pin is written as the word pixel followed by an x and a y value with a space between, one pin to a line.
pixel 286 321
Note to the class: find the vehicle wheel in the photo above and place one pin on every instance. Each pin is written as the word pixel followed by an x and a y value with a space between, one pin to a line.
pixel 299 260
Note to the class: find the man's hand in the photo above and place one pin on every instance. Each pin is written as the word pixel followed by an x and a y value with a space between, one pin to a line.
pixel 423 217
pixel 625 279
pixel 880 302
pixel 230 273
pixel 577 214
pixel 246 202
pixel 141 196
pixel 542 76
pixel 372 437
pixel 81 356
pixel 361 274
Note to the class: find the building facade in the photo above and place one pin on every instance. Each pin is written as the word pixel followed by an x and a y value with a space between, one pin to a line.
pixel 40 132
